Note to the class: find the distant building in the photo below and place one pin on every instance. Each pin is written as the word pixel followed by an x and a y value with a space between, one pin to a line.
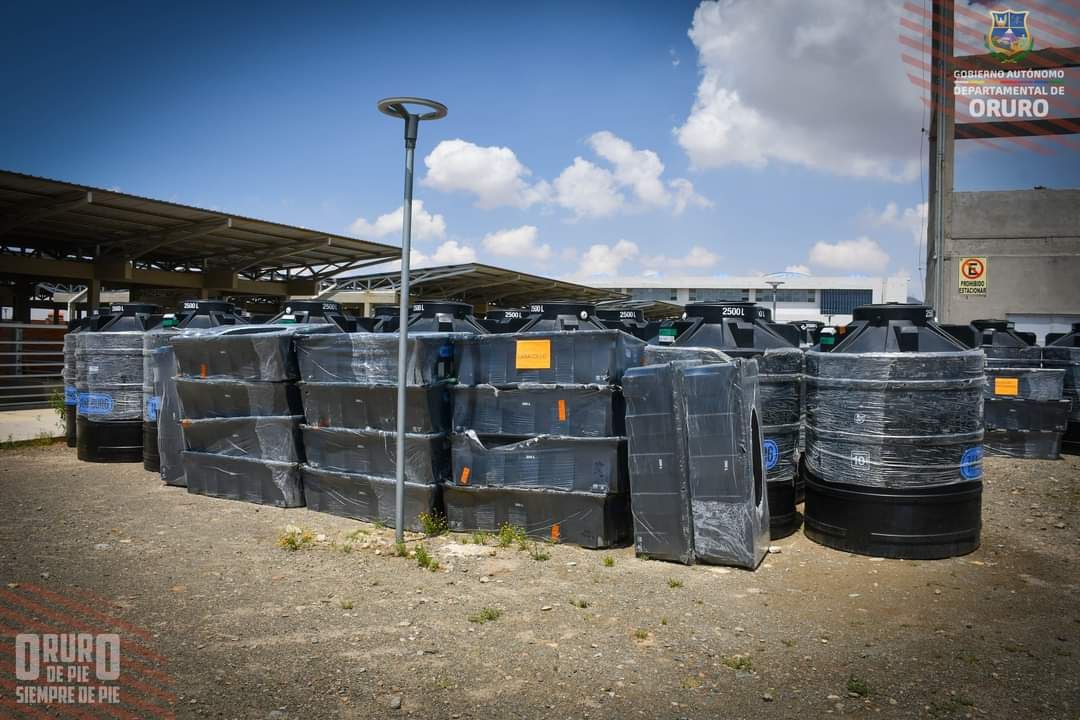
pixel 800 297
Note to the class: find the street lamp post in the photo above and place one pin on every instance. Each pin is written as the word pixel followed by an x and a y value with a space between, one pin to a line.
pixel 774 284
pixel 396 107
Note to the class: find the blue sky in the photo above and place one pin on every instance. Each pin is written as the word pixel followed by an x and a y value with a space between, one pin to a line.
pixel 268 110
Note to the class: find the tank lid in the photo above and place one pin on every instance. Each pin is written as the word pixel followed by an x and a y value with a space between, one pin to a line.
pixel 506 314
pixel 632 314
pixel 434 308
pixel 312 306
pixel 555 308
pixel 880 314
pixel 992 324
pixel 719 312
pixel 206 306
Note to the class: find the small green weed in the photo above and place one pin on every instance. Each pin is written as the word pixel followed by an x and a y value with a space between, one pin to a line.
pixel 537 553
pixel 511 534
pixel 433 524
pixel 424 559
pixel 674 584
pixel 857 686
pixel 608 561
pixel 345 604
pixel 401 550
pixel 485 615
pixel 738 662
pixel 580 603
pixel 295 538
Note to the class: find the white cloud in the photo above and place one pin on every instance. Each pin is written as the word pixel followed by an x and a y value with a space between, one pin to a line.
pixel 425 226
pixel 588 190
pixel 813 88
pixel 912 219
pixel 602 259
pixel 797 269
pixel 699 258
pixel 859 255
pixel 493 174
pixel 451 253
pixel 517 242
pixel 641 170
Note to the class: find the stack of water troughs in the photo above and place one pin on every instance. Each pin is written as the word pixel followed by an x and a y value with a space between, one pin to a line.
pixel 1063 352
pixel 742 330
pixel 538 430
pixel 697 472
pixel 109 383
pixel 1024 411
pixel 160 408
pixel 240 412
pixel 350 403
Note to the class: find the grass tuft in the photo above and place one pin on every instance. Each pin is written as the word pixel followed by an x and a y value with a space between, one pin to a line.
pixel 425 560
pixel 857 686
pixel 537 553
pixel 433 524
pixel 511 534
pixel 295 538
pixel 738 662
pixel 674 584
pixel 608 561
pixel 485 615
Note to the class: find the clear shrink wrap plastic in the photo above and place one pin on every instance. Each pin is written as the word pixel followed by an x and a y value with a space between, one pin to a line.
pixel 366 497
pixel 110 375
pixel 372 358
pixel 559 464
pixel 539 409
pixel 265 482
pixel 374 453
pixel 696 462
pixel 1026 383
pixel 71 393
pixel 243 352
pixel 260 437
pixel 223 398
pixel 156 343
pixel 1068 359
pixel 170 434
pixel 351 405
pixel 895 420
pixel 583 357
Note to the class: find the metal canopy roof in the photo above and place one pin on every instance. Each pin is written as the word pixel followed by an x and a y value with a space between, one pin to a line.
pixel 476 284
pixel 55 220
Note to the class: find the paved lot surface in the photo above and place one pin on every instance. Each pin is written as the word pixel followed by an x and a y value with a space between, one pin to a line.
pixel 343 629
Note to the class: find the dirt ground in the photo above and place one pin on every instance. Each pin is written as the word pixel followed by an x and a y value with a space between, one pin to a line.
pixel 250 630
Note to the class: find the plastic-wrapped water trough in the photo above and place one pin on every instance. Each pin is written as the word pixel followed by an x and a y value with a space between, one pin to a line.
pixel 539 409
pixel 352 405
pixel 591 520
pixel 582 357
pixel 560 464
pixel 895 420
pixel 696 452
pixel 265 482
pixel 374 453
pixel 371 358
pixel 223 398
pixel 245 352
pixel 262 438
pixel 366 497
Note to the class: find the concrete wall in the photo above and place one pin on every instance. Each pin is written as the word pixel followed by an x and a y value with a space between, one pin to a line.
pixel 1031 239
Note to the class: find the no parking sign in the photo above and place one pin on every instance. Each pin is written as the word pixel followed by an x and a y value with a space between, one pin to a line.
pixel 973 280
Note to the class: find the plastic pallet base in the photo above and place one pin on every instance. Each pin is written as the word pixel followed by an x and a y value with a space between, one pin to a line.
pixel 925 524
pixel 585 519
pixel 111 442
pixel 783 518
pixel 70 426
pixel 256 481
pixel 151 459
pixel 367 498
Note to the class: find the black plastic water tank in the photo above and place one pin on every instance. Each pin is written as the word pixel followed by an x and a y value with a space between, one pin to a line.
pixel 504 320
pixel 894 438
pixel 1064 353
pixel 109 367
pixel 740 330
pixel 443 316
pixel 562 315
pixel 193 315
pixel 629 320
pixel 999 341
pixel 386 318
pixel 313 312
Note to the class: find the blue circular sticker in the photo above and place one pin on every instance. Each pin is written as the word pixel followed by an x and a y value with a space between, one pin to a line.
pixel 971 463
pixel 772 454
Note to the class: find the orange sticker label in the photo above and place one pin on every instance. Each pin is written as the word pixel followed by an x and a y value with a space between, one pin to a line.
pixel 202 370
pixel 1007 386
pixel 562 410
pixel 533 354
pixel 555 532
pixel 464 476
